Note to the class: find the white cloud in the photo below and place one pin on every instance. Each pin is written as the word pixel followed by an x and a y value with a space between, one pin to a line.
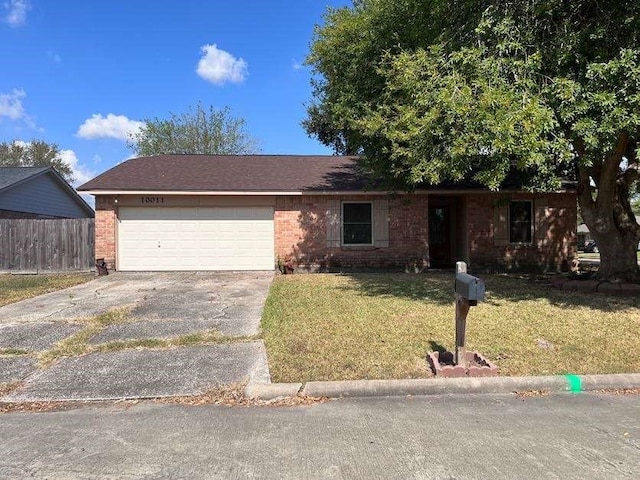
pixel 111 126
pixel 81 173
pixel 54 57
pixel 218 66
pixel 16 12
pixel 296 65
pixel 11 104
pixel 12 108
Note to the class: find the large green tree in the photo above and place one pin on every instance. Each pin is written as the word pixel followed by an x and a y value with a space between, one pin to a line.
pixel 434 90
pixel 198 131
pixel 35 153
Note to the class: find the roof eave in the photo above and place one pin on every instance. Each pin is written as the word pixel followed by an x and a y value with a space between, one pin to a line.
pixel 96 192
pixel 229 192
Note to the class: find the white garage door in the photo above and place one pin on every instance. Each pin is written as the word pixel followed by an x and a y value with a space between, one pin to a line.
pixel 195 238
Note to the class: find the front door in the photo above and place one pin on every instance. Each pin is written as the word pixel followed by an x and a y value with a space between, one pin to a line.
pixel 440 235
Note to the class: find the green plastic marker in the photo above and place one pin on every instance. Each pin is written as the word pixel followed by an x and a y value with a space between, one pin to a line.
pixel 575 384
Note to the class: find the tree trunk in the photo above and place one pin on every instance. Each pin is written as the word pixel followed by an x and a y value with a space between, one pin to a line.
pixel 616 232
pixel 618 256
pixel 617 238
pixel 606 210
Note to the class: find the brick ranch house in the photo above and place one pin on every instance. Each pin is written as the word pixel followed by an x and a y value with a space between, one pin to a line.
pixel 198 212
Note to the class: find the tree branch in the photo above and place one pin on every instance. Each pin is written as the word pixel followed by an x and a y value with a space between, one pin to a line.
pixel 608 178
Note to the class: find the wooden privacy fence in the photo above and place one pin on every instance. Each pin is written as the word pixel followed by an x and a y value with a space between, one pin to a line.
pixel 42 246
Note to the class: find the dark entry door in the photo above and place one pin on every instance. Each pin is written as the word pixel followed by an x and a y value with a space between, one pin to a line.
pixel 440 236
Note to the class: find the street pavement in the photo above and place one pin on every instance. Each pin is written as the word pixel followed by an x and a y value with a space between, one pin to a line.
pixel 568 436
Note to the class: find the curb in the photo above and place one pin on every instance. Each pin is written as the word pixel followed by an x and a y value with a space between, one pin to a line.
pixel 391 388
pixel 271 391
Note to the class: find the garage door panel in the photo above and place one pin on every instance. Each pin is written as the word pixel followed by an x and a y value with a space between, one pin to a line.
pixel 217 238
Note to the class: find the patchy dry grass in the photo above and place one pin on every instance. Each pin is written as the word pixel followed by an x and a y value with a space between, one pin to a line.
pixel 7 387
pixel 233 396
pixel 73 346
pixel 63 406
pixel 225 395
pixel 13 351
pixel 78 344
pixel 336 327
pixel 14 288
pixel 596 256
pixel 206 337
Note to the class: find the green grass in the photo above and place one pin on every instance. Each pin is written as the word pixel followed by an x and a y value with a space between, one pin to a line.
pixel 367 326
pixel 14 288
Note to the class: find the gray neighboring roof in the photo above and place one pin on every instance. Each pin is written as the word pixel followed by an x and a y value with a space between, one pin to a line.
pixel 12 177
pixel 232 173
pixel 9 176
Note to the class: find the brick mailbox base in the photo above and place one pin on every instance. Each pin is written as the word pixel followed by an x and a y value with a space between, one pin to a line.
pixel 442 364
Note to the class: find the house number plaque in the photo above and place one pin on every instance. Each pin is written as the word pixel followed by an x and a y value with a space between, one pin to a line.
pixel 151 200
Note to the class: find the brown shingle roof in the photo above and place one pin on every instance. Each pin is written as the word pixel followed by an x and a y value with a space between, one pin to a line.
pixel 233 173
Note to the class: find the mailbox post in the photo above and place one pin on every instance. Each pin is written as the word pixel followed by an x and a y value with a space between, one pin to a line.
pixel 468 290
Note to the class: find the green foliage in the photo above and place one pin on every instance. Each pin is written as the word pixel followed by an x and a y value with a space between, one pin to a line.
pixel 442 90
pixel 447 116
pixel 436 90
pixel 345 55
pixel 36 153
pixel 198 131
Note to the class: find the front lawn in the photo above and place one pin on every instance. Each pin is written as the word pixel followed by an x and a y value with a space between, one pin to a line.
pixel 367 326
pixel 14 288
pixel 596 256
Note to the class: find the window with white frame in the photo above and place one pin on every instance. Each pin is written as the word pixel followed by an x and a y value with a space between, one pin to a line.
pixel 357 223
pixel 520 221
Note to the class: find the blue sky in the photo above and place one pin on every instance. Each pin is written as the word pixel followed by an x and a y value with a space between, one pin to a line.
pixel 83 73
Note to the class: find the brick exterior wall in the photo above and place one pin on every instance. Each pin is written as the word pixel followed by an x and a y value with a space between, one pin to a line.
pixel 106 230
pixel 300 224
pixel 554 238
pixel 301 234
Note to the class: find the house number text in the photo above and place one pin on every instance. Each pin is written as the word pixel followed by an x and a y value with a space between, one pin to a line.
pixel 151 199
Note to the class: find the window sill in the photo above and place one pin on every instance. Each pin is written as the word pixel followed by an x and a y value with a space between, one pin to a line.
pixel 357 247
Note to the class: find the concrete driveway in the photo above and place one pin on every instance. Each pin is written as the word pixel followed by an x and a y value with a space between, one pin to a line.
pixel 162 306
